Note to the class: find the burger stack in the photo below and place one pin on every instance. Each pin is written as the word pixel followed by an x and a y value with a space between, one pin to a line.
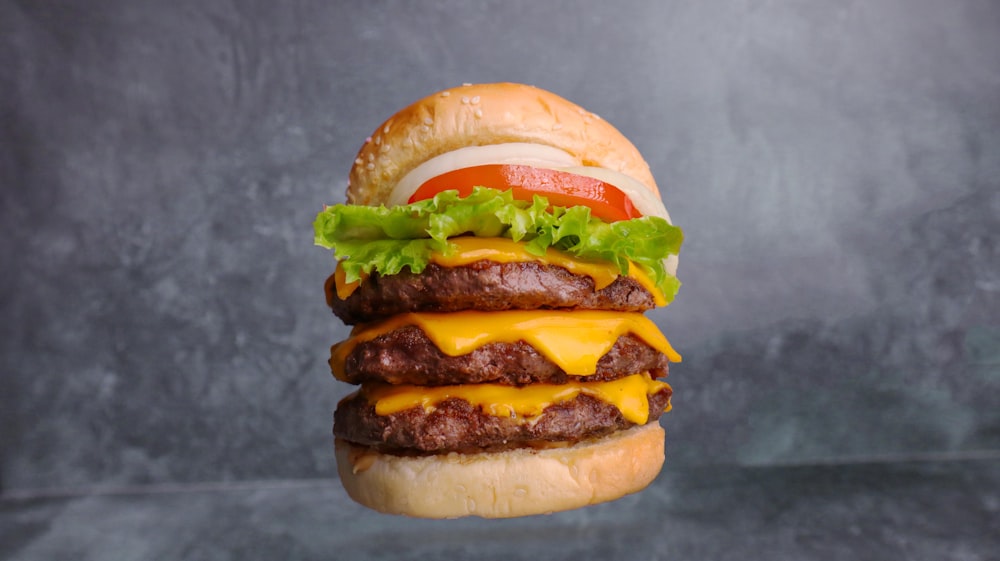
pixel 497 251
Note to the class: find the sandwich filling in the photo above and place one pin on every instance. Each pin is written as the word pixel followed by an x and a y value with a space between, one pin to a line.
pixel 498 303
pixel 521 154
pixel 575 341
pixel 476 417
pixel 408 356
pixel 368 240
pixel 493 274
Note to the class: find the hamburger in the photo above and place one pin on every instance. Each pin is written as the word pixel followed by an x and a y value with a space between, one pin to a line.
pixel 495 255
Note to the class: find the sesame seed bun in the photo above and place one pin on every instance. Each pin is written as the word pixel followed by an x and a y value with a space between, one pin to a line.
pixel 484 114
pixel 517 482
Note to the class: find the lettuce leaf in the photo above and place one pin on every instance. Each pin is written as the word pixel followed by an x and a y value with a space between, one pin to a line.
pixel 367 239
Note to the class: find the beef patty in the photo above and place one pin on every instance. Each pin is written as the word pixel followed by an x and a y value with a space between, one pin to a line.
pixel 455 425
pixel 486 286
pixel 407 356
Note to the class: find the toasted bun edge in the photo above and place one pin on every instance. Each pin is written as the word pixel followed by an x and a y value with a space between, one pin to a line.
pixel 519 482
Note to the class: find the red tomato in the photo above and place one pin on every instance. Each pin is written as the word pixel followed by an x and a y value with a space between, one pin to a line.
pixel 561 188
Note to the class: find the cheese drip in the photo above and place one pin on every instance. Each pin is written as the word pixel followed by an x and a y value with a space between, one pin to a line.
pixel 468 250
pixel 628 394
pixel 573 340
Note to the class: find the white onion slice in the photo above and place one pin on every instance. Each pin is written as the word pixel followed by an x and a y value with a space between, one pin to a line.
pixel 644 200
pixel 516 153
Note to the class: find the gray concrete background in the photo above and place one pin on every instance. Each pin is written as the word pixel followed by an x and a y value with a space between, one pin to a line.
pixel 835 167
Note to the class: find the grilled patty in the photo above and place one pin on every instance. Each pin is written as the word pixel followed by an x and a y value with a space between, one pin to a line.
pixel 455 425
pixel 407 356
pixel 486 286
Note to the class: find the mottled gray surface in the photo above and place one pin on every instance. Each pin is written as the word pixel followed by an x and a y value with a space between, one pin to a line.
pixel 836 168
pixel 916 512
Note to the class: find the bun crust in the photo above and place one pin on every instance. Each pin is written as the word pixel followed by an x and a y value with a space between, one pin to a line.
pixel 518 482
pixel 483 114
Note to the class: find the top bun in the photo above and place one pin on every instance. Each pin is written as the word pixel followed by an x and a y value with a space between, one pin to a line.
pixel 483 114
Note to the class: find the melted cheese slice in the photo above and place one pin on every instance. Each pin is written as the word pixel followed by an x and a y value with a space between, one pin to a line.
pixel 468 250
pixel 628 394
pixel 574 340
pixel 337 284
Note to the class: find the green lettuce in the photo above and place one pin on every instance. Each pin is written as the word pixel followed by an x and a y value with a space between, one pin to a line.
pixel 369 239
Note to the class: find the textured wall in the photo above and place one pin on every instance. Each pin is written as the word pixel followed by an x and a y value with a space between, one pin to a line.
pixel 835 166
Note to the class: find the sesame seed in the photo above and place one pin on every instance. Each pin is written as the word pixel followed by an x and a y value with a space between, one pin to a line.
pixel 370 166
pixel 445 94
pixel 425 128
pixel 475 100
pixel 581 110
pixel 465 100
pixel 385 130
pixel 378 140
pixel 358 162
pixel 385 148
pixel 428 121
pixel 367 140
pixel 479 113
pixel 466 83
pixel 371 157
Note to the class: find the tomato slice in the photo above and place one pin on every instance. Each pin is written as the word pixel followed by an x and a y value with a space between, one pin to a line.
pixel 561 188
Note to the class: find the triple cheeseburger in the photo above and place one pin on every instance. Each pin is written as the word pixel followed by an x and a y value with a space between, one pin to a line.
pixel 497 251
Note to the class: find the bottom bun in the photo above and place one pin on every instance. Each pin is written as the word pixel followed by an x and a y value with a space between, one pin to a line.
pixel 518 482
